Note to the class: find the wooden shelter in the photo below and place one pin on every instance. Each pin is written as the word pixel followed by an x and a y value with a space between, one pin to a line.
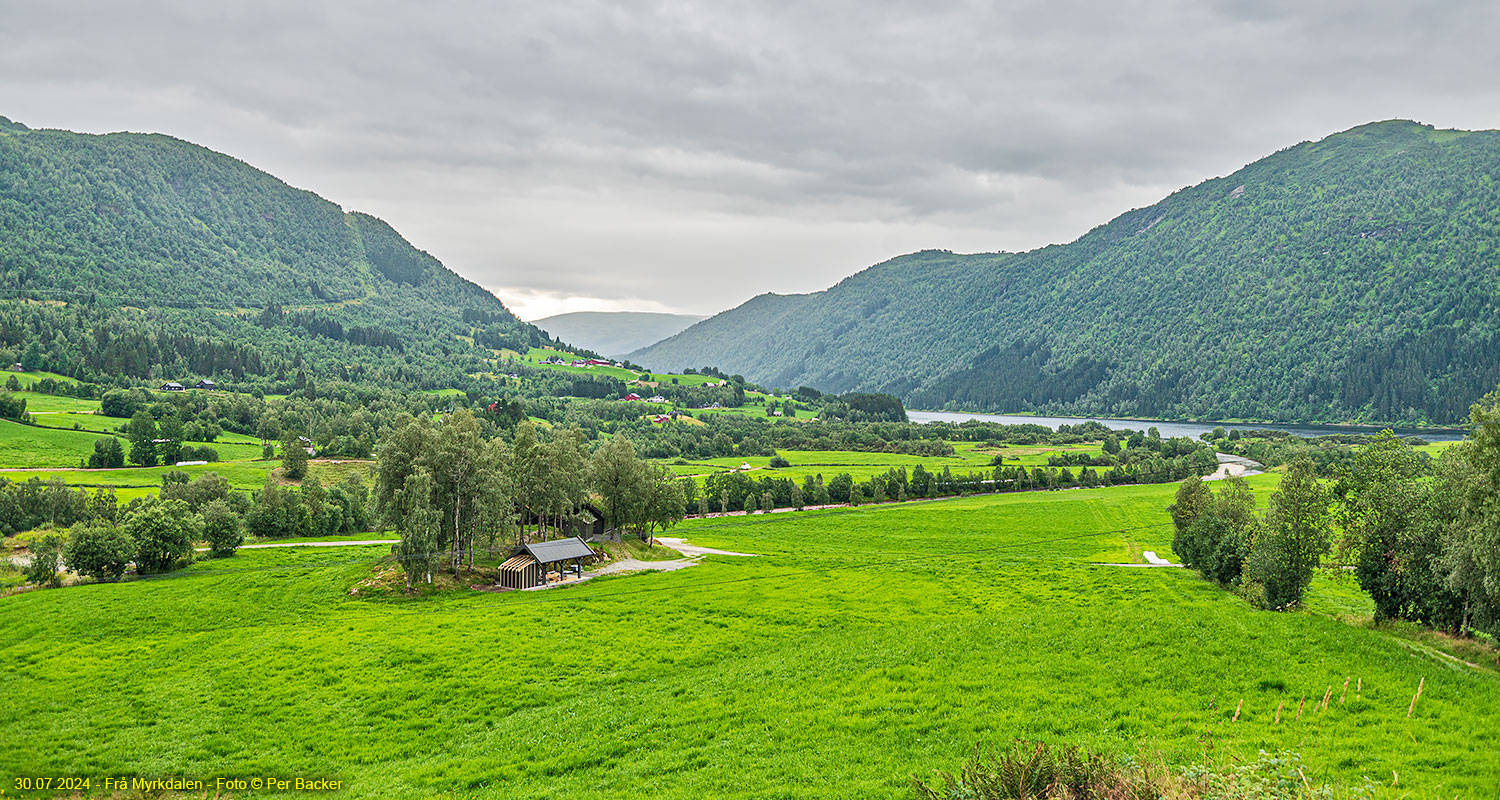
pixel 529 565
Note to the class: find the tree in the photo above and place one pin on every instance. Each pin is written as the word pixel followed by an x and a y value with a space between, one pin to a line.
pixel 98 550
pixel 163 532
pixel 46 554
pixel 1467 493
pixel 1111 445
pixel 141 431
pixel 666 503
pixel 797 497
pixel 465 485
pixel 418 523
pixel 221 528
pixel 294 458
pixel 1294 538
pixel 749 506
pixel 1215 531
pixel 840 488
pixel 107 454
pixel 767 502
pixel 1383 510
pixel 616 475
pixel 1193 500
pixel 170 432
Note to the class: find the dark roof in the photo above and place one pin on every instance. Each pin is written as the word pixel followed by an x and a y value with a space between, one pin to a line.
pixel 558 550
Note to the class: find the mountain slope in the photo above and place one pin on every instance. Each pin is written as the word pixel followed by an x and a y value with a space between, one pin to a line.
pixel 177 259
pixel 1350 279
pixel 614 333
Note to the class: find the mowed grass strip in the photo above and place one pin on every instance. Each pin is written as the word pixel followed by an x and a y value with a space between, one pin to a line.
pixel 863 646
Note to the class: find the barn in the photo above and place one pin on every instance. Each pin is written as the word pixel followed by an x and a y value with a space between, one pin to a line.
pixel 529 564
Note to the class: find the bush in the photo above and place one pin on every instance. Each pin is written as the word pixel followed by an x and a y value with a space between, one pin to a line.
pixel 200 452
pixel 221 529
pixel 1037 771
pixel 98 550
pixel 778 462
pixel 45 556
pixel 163 532
pixel 108 454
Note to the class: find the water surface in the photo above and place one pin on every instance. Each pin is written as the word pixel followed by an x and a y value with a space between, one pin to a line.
pixel 1169 429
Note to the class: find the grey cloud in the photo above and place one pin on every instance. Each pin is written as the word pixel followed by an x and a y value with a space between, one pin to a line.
pixel 587 147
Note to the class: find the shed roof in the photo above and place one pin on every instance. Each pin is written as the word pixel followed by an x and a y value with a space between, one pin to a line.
pixel 559 550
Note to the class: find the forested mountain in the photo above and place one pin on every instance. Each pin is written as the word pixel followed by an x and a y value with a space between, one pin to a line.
pixel 614 333
pixel 1349 279
pixel 149 257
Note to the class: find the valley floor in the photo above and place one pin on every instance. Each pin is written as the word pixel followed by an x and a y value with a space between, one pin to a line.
pixel 861 647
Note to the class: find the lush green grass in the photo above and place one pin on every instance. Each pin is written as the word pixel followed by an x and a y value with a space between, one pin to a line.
pixel 37 401
pixel 968 457
pixel 130 482
pixel 27 379
pixel 860 648
pixel 537 354
pixel 34 446
pixel 86 420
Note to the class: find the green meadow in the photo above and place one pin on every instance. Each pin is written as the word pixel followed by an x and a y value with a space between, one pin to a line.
pixel 861 465
pixel 538 354
pixel 35 446
pixel 861 647
pixel 46 445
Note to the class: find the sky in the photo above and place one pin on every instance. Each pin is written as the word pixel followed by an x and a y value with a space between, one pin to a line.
pixel 686 157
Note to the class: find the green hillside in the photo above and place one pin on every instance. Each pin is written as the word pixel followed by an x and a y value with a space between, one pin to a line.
pixel 149 257
pixel 1350 279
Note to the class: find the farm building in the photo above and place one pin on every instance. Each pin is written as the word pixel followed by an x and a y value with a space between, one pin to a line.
pixel 206 385
pixel 529 565
pixel 631 398
pixel 171 386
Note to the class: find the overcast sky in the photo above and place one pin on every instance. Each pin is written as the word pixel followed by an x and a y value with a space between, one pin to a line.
pixel 685 157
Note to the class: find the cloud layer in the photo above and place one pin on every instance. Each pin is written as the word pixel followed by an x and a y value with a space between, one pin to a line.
pixel 676 156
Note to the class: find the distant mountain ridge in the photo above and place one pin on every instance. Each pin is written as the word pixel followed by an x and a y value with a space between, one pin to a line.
pixel 1353 279
pixel 178 260
pixel 615 333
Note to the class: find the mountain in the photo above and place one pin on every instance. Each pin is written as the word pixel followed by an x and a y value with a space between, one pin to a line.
pixel 148 256
pixel 614 333
pixel 1356 278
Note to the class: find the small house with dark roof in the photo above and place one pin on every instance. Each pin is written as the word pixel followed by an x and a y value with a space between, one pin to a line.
pixel 530 563
pixel 206 385
pixel 171 386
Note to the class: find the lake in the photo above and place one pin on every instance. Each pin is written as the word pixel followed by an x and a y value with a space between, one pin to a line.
pixel 1169 429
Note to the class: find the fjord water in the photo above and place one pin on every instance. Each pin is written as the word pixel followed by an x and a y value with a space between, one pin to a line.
pixel 1192 429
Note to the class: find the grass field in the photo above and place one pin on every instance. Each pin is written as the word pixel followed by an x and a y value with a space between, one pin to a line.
pixel 538 354
pixel 34 446
pixel 861 465
pixel 862 647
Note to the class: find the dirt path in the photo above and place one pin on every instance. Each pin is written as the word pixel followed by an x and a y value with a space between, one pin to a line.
pixel 694 550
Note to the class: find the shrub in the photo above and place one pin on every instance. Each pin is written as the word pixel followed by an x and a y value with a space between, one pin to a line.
pixel 45 556
pixel 1037 771
pixel 98 550
pixel 778 461
pixel 163 532
pixel 200 452
pixel 221 528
